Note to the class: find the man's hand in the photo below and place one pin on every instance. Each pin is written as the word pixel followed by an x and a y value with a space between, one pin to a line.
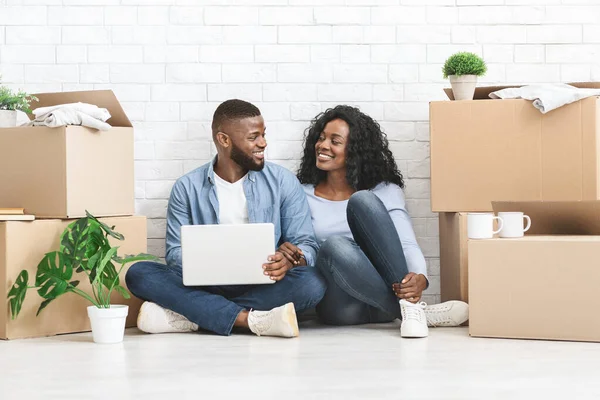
pixel 277 268
pixel 292 253
pixel 411 288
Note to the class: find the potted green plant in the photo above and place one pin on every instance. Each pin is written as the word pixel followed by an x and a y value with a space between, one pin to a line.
pixel 463 69
pixel 10 103
pixel 84 249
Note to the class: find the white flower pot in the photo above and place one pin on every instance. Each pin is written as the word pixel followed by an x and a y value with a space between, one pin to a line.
pixel 463 86
pixel 8 119
pixel 108 324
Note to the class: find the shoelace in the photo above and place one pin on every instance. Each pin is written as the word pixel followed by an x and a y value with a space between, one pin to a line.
pixel 437 316
pixel 414 311
pixel 260 322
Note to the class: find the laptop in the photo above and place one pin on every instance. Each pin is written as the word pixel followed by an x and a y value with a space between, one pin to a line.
pixel 214 255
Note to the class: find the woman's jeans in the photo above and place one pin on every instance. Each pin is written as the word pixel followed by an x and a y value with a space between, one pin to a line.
pixel 360 272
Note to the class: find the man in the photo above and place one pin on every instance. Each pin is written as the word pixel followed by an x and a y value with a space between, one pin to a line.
pixel 237 187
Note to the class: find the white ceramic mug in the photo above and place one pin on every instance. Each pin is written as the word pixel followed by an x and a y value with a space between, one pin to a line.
pixel 513 224
pixel 481 225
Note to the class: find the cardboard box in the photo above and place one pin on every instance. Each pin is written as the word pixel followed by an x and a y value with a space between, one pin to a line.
pixel 61 172
pixel 453 257
pixel 23 245
pixel 488 150
pixel 544 285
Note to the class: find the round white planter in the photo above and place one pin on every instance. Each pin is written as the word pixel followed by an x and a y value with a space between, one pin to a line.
pixel 8 119
pixel 108 324
pixel 463 86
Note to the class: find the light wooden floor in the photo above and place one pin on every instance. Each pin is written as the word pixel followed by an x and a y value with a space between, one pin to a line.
pixel 365 362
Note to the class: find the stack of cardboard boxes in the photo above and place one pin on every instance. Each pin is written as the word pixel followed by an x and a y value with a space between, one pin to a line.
pixel 505 155
pixel 56 174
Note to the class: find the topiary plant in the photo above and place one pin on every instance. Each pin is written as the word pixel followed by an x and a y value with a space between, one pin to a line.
pixel 464 63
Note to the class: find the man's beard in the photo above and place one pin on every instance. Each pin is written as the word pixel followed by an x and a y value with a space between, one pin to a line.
pixel 245 161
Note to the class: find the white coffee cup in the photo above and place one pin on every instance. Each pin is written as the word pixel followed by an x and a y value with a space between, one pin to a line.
pixel 513 224
pixel 481 225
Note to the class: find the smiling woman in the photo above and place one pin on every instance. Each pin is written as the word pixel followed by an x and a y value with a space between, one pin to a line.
pixel 368 251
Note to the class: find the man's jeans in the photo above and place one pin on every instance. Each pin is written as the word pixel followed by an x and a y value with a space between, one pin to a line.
pixel 215 308
pixel 360 272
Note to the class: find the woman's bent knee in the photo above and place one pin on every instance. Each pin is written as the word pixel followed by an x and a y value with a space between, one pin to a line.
pixel 335 247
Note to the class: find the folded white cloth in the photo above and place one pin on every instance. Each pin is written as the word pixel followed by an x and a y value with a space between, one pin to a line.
pixel 72 114
pixel 546 97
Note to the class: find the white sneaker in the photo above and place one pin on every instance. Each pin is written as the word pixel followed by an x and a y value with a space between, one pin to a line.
pixel 414 322
pixel 155 319
pixel 280 321
pixel 449 313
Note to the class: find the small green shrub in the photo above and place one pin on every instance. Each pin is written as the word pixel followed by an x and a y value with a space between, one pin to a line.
pixel 464 63
pixel 19 100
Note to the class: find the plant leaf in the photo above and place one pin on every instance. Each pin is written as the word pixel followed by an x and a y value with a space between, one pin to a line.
pixel 107 257
pixel 109 275
pixel 16 295
pixel 123 292
pixel 97 241
pixel 74 283
pixel 106 228
pixel 132 258
pixel 52 279
pixel 74 241
pixel 43 305
pixel 91 265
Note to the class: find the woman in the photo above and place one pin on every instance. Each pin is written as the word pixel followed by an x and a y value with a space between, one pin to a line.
pixel 368 253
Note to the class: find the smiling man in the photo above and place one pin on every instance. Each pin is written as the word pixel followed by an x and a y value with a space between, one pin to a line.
pixel 237 187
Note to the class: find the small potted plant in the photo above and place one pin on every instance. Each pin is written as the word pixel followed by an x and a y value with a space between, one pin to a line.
pixel 10 103
pixel 84 249
pixel 463 69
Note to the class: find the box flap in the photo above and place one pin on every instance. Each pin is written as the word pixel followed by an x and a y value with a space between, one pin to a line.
pixel 481 93
pixel 101 98
pixel 586 85
pixel 557 217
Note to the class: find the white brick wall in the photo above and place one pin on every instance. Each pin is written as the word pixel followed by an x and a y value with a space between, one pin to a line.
pixel 171 62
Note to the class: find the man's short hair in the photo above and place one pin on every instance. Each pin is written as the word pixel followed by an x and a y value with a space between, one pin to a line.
pixel 231 110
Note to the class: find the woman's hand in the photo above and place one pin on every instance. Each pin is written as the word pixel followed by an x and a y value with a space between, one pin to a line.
pixel 292 253
pixel 411 288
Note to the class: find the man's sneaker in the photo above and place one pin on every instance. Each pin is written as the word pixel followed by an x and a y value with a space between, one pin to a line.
pixel 414 322
pixel 155 319
pixel 280 321
pixel 449 313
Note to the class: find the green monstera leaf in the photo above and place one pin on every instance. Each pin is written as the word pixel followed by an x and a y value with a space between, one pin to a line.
pixel 52 279
pixel 74 241
pixel 16 295
pixel 109 230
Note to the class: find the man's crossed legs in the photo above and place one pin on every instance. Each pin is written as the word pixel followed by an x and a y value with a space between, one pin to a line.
pixel 265 309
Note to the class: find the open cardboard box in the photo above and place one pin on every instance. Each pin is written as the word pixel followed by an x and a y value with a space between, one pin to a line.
pixel 545 285
pixel 484 150
pixel 61 172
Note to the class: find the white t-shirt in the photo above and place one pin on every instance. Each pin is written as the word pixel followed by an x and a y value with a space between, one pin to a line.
pixel 233 208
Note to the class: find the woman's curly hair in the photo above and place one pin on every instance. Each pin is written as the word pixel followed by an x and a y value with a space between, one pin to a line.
pixel 369 161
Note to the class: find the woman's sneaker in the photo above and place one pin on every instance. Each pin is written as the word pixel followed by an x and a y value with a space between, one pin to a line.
pixel 449 313
pixel 414 321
